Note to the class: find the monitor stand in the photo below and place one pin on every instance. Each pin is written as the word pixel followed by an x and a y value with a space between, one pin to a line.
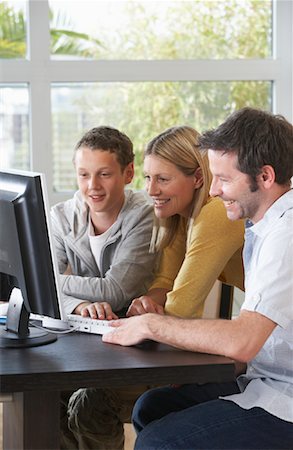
pixel 17 333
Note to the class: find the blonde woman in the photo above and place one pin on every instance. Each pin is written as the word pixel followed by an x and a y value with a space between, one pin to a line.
pixel 199 243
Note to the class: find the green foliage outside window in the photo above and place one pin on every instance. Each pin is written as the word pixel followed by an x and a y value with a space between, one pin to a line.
pixel 12 32
pixel 144 109
pixel 192 29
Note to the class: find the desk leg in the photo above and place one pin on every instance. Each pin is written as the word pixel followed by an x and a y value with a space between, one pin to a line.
pixel 32 421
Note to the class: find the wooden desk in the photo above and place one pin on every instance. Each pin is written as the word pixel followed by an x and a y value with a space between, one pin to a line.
pixel 36 375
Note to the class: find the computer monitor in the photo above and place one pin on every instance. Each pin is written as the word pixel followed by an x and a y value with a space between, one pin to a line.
pixel 27 258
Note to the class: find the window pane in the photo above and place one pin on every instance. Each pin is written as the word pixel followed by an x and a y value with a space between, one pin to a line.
pixel 14 127
pixel 162 29
pixel 12 29
pixel 142 110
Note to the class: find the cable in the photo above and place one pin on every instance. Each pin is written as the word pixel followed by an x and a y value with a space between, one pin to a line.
pixel 50 330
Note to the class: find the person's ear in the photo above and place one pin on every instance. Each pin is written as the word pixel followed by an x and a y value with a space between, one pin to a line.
pixel 198 178
pixel 267 176
pixel 129 173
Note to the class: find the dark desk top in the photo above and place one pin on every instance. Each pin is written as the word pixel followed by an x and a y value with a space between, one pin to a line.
pixel 83 360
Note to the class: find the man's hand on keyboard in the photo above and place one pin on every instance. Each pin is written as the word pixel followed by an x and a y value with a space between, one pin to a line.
pixel 130 331
pixel 98 310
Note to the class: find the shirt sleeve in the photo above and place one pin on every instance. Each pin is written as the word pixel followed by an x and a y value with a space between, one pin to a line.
pixel 214 241
pixel 59 230
pixel 269 287
pixel 69 303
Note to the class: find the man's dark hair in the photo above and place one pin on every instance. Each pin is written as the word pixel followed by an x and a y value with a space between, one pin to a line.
pixel 258 138
pixel 108 139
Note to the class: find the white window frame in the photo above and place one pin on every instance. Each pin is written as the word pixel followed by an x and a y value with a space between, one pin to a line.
pixel 39 71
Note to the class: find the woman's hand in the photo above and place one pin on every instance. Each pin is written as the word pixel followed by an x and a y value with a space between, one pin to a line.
pixel 143 305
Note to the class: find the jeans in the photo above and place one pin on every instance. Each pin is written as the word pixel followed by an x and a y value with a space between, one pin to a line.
pixel 192 417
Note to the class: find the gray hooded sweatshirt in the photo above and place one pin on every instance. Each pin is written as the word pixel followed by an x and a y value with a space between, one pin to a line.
pixel 127 266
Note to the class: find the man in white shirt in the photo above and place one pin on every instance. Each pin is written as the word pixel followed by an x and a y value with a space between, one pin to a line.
pixel 251 159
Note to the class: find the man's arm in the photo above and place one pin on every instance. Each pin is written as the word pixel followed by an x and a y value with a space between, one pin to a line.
pixel 240 338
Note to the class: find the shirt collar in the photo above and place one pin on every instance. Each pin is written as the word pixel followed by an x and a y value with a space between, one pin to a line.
pixel 278 208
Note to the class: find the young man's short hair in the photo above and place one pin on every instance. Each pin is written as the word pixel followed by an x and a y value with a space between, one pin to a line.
pixel 108 139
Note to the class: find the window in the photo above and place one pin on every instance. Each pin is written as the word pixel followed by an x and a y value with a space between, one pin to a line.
pixel 142 110
pixel 14 127
pixel 152 30
pixel 13 29
pixel 154 65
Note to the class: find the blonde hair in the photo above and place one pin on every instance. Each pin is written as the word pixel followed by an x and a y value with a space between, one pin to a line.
pixel 179 145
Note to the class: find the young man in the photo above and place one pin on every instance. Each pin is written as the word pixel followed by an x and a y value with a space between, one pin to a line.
pixel 102 238
pixel 102 234
pixel 251 159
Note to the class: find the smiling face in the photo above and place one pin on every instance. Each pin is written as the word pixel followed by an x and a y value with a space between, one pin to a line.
pixel 101 180
pixel 234 188
pixel 171 191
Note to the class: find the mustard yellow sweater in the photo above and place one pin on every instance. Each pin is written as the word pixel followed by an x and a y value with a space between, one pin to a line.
pixel 214 253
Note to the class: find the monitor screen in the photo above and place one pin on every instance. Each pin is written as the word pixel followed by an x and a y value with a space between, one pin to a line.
pixel 27 259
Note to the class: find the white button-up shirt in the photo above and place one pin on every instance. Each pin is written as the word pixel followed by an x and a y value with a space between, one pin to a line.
pixel 268 263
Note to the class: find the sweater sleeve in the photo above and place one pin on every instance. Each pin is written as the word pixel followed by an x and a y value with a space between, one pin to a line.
pixel 214 241
pixel 131 270
pixel 171 260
